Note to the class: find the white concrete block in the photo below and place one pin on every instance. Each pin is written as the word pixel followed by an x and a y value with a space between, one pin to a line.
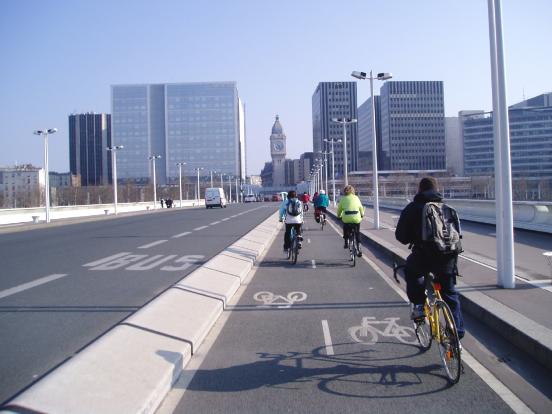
pixel 213 283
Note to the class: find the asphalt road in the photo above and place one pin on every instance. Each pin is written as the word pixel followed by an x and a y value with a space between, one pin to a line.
pixel 294 342
pixel 62 287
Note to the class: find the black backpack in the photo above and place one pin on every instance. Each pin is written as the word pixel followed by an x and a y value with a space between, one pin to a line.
pixel 293 207
pixel 441 229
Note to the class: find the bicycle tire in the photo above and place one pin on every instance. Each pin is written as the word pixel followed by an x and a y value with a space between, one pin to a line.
pixel 422 328
pixel 352 249
pixel 323 221
pixel 449 343
pixel 295 252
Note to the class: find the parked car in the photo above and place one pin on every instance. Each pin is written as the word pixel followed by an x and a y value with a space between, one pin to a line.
pixel 250 198
pixel 214 197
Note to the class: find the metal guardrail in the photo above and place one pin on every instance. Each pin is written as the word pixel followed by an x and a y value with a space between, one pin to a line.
pixel 528 215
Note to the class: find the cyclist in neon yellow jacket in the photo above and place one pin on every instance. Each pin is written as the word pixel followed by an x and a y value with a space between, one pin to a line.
pixel 351 211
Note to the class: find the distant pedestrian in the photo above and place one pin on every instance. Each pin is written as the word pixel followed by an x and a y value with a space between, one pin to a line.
pixel 162 203
pixel 169 202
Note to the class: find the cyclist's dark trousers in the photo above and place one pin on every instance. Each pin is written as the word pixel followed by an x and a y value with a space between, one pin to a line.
pixel 287 235
pixel 347 229
pixel 319 210
pixel 418 264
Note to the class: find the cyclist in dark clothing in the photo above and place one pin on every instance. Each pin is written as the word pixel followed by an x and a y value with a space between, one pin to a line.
pixel 420 262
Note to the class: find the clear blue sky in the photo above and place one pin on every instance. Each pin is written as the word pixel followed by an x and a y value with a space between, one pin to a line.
pixel 59 57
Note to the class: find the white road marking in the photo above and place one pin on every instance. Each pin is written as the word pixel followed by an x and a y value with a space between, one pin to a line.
pixel 327 338
pixel 155 243
pixel 214 222
pixel 105 259
pixel 200 228
pixel 226 219
pixel 151 262
pixel 176 236
pixel 308 241
pixel 313 263
pixel 29 285
pixel 502 391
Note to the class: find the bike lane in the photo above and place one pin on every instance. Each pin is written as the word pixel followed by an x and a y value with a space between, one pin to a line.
pixel 321 336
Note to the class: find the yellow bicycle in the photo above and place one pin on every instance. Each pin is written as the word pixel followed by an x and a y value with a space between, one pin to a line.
pixel 438 324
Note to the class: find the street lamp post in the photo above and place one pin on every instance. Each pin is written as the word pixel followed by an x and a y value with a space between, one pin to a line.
pixel 211 172
pixel 326 169
pixel 333 167
pixel 198 193
pixel 345 122
pixel 154 157
pixel 114 150
pixel 180 164
pixel 45 133
pixel 375 190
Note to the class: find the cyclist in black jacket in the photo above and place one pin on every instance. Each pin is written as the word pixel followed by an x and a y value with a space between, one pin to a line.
pixel 420 262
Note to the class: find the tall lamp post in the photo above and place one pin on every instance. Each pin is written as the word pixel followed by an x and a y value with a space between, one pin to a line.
pixel 345 122
pixel 230 188
pixel 180 164
pixel 326 169
pixel 333 166
pixel 198 193
pixel 45 133
pixel 114 150
pixel 154 157
pixel 375 190
pixel 211 172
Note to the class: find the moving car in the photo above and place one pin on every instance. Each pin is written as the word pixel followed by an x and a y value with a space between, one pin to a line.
pixel 214 197
pixel 250 198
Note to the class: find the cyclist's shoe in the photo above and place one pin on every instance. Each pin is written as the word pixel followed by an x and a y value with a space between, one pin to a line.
pixel 299 237
pixel 417 312
pixel 359 252
pixel 299 245
pixel 346 244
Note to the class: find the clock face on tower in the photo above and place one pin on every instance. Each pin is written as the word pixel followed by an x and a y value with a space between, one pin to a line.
pixel 278 146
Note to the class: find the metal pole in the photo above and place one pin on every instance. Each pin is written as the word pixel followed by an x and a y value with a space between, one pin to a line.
pixel 154 185
pixel 237 193
pixel 221 183
pixel 114 168
pixel 505 269
pixel 180 182
pixel 211 178
pixel 198 196
pixel 333 174
pixel 345 162
pixel 46 178
pixel 230 186
pixel 326 169
pixel 375 189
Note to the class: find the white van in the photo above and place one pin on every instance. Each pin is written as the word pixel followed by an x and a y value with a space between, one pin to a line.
pixel 214 197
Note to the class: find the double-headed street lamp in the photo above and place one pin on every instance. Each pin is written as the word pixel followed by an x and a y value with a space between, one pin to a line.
pixel 114 150
pixel 345 122
pixel 331 141
pixel 154 157
pixel 45 133
pixel 180 164
pixel 375 190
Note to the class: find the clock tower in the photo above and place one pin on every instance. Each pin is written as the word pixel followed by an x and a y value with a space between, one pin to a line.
pixel 278 153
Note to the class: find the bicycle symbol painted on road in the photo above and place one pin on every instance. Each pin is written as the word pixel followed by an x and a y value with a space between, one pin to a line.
pixel 369 334
pixel 279 301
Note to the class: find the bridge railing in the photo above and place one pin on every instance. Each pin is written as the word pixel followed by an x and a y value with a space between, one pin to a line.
pixel 527 214
pixel 29 215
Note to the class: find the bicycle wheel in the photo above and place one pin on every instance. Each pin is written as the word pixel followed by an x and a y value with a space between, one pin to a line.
pixel 422 328
pixel 449 344
pixel 295 251
pixel 352 249
pixel 322 221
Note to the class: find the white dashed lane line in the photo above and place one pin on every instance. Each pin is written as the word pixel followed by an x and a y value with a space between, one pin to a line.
pixel 29 285
pixel 313 262
pixel 176 236
pixel 327 338
pixel 226 219
pixel 214 222
pixel 155 243
pixel 200 228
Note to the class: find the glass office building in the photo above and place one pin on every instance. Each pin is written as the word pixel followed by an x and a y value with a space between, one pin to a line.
pixel 201 124
pixel 413 125
pixel 89 161
pixel 530 140
pixel 335 100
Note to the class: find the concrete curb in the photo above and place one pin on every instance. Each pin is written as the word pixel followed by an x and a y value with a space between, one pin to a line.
pixel 132 367
pixel 531 337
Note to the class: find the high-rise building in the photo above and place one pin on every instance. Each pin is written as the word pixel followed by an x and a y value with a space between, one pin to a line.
pixel 278 154
pixel 335 100
pixel 530 140
pixel 454 147
pixel 365 136
pixel 201 124
pixel 413 124
pixel 89 136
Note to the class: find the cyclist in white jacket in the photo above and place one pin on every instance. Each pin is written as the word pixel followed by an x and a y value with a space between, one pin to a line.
pixel 291 210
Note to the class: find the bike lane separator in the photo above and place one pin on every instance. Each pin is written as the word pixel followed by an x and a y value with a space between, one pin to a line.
pixel 327 338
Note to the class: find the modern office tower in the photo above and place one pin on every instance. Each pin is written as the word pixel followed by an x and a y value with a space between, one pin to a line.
pixel 530 140
pixel 89 161
pixel 365 136
pixel 201 124
pixel 413 124
pixel 454 147
pixel 278 154
pixel 21 186
pixel 335 100
pixel 306 161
